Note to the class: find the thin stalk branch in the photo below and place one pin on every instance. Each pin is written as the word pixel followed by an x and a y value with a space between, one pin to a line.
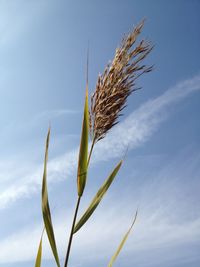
pixel 75 213
pixel 91 149
pixel 72 230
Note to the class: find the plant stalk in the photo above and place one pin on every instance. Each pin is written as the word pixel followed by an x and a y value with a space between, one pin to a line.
pixel 75 214
pixel 71 233
pixel 91 149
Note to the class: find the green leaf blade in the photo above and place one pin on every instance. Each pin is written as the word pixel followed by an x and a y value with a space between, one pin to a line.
pixel 39 254
pixel 83 151
pixel 122 243
pixel 98 197
pixel 45 207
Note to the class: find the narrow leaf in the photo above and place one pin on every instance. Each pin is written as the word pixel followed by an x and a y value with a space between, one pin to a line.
pixel 122 243
pixel 45 207
pixel 83 151
pixel 39 253
pixel 98 197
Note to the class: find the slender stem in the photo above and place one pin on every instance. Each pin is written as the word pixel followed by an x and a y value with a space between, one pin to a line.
pixel 76 212
pixel 91 149
pixel 72 230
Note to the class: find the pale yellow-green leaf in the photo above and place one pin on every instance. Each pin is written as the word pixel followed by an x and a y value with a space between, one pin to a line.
pixel 98 197
pixel 46 209
pixel 122 243
pixel 83 151
pixel 39 253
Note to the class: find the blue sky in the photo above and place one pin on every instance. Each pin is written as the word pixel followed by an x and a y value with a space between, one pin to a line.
pixel 43 48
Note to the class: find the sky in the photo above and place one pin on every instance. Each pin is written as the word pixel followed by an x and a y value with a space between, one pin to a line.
pixel 43 50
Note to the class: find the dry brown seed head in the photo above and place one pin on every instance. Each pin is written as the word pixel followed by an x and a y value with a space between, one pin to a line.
pixel 117 83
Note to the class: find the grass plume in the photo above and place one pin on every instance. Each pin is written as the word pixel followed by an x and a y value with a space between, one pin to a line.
pixel 117 82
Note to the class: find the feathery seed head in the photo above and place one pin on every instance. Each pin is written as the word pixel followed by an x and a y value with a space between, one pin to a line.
pixel 116 83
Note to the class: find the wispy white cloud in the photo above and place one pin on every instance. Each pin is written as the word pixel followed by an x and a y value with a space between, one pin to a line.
pixel 97 241
pixel 133 131
pixel 94 239
pixel 143 122
pixel 160 226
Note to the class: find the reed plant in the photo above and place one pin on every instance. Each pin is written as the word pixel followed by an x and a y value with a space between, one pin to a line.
pixel 100 114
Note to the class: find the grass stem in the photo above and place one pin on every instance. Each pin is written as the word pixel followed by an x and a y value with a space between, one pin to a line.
pixel 91 149
pixel 75 214
pixel 71 233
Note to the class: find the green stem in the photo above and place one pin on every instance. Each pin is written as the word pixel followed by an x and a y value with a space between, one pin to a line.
pixel 91 149
pixel 75 213
pixel 72 230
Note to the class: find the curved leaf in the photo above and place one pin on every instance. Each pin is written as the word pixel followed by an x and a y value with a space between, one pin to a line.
pixel 45 207
pixel 98 197
pixel 122 243
pixel 39 253
pixel 83 151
